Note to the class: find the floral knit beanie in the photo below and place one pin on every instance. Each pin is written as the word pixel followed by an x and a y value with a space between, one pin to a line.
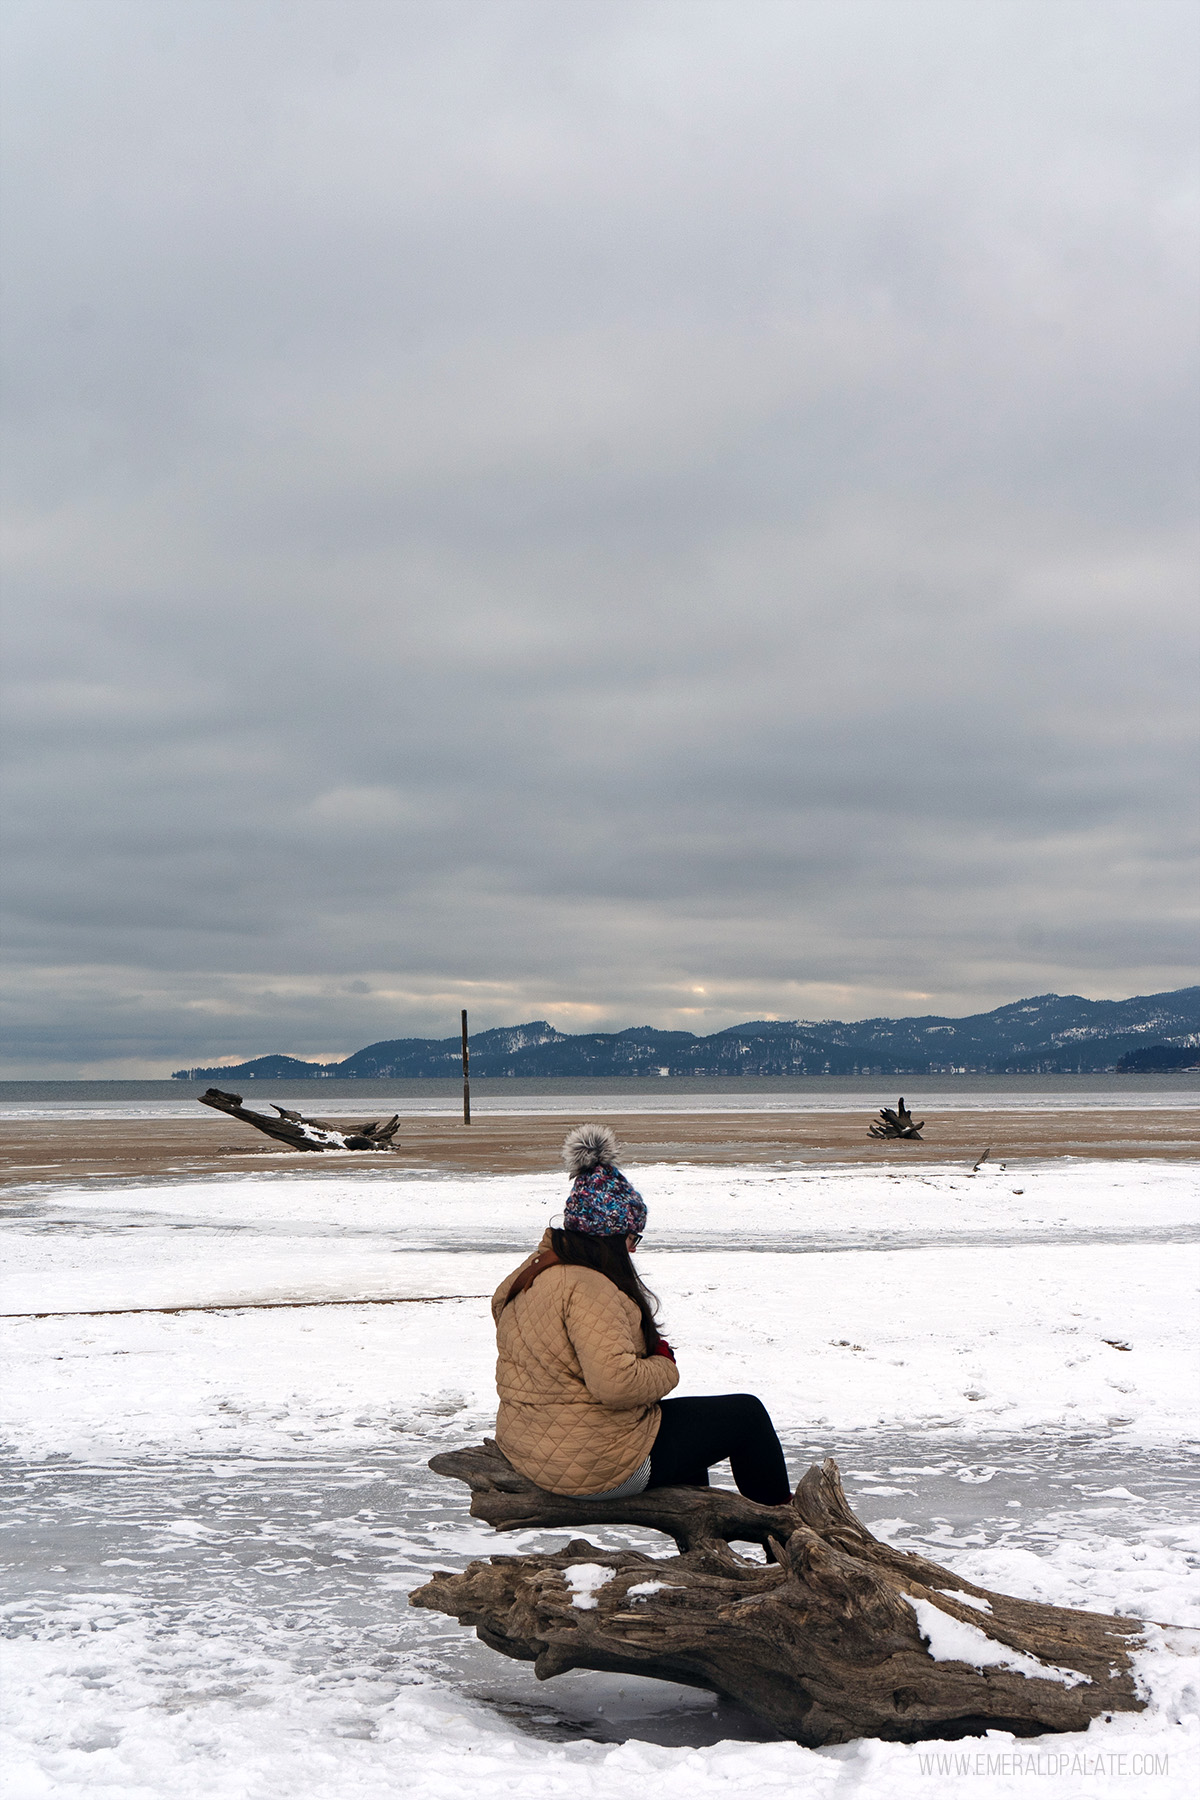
pixel 601 1202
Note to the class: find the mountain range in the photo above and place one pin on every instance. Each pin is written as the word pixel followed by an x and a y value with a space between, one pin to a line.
pixel 1049 1034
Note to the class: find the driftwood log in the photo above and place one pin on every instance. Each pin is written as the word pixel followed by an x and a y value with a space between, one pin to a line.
pixel 836 1636
pixel 299 1133
pixel 896 1124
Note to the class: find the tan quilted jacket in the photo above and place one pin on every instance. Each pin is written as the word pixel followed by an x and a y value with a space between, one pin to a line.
pixel 578 1394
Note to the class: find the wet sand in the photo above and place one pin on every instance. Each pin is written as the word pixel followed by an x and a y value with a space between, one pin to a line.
pixel 78 1150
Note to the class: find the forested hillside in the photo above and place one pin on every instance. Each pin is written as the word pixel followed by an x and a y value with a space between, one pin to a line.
pixel 1048 1034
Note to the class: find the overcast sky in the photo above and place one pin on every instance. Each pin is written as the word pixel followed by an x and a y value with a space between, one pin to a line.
pixel 626 511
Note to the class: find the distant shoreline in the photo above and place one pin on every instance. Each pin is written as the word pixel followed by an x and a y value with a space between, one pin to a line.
pixel 1175 1087
pixel 1046 1034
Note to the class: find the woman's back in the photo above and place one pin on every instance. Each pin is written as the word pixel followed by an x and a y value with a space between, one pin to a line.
pixel 578 1392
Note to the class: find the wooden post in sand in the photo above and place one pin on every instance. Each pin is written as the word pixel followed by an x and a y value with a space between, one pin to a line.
pixel 466 1072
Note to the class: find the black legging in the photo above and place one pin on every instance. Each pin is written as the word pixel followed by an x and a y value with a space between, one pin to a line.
pixel 696 1433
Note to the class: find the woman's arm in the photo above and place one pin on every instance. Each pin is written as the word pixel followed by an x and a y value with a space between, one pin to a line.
pixel 607 1343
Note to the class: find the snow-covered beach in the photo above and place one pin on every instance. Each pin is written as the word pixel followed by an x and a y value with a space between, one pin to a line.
pixel 218 1514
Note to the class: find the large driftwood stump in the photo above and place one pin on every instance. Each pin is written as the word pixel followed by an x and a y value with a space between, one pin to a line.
pixel 896 1123
pixel 299 1133
pixel 838 1636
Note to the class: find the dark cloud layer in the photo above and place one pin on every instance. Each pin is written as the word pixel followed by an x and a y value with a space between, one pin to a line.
pixel 623 512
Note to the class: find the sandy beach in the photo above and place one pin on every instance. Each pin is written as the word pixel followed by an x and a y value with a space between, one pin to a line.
pixel 74 1150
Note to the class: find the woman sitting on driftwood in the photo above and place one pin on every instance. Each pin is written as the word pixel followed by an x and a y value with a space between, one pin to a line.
pixel 582 1370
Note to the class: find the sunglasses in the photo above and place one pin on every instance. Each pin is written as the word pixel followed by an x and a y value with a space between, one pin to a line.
pixel 633 1239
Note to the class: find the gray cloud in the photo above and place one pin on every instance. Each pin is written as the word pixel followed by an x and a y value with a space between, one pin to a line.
pixel 629 512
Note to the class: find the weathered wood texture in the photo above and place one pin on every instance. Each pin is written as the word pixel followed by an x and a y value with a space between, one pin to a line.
pixel 299 1133
pixel 896 1124
pixel 823 1641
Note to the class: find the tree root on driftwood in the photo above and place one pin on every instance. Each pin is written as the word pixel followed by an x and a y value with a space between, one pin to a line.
pixel 838 1636
pixel 299 1133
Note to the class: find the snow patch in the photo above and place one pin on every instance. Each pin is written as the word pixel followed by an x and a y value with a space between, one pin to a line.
pixel 953 1640
pixel 642 1590
pixel 984 1606
pixel 316 1135
pixel 584 1581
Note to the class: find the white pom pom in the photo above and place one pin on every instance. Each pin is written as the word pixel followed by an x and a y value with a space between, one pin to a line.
pixel 587 1147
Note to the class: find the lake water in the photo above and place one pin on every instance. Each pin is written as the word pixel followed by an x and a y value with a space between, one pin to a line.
pixel 809 1093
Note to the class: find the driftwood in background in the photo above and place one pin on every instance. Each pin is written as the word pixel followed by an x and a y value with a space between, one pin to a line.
pixel 299 1133
pixel 838 1636
pixel 898 1124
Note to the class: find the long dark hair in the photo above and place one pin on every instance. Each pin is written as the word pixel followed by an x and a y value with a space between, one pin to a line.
pixel 610 1256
